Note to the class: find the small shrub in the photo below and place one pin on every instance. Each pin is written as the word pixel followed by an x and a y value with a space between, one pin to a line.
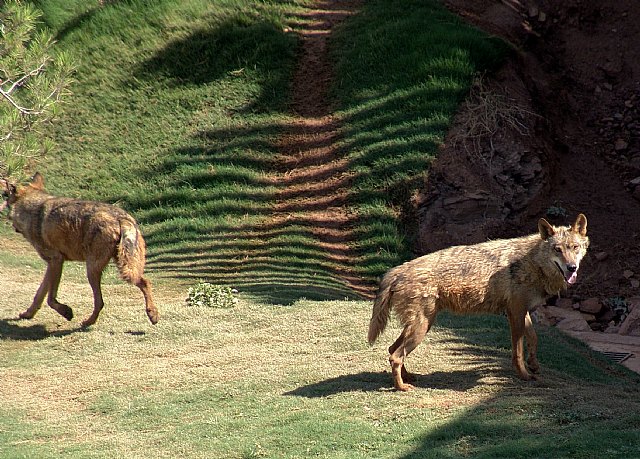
pixel 619 306
pixel 209 295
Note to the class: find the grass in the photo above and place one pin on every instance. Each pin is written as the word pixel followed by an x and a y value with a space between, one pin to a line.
pixel 260 380
pixel 180 105
pixel 174 116
pixel 403 69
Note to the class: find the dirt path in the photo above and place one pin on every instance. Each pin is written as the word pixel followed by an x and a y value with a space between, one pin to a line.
pixel 314 177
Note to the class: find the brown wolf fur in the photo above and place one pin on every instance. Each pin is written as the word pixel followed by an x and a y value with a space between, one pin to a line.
pixel 62 229
pixel 509 276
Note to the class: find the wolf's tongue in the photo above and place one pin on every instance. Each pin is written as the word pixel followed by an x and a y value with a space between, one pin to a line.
pixel 572 279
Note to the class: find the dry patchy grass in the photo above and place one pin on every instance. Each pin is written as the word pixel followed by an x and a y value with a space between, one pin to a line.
pixel 263 380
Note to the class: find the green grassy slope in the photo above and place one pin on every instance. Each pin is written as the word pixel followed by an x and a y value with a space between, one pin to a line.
pixel 178 104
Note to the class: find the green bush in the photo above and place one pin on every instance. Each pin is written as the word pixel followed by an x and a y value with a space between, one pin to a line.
pixel 210 295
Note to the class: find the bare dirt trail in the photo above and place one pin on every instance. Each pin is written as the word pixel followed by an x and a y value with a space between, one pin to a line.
pixel 314 179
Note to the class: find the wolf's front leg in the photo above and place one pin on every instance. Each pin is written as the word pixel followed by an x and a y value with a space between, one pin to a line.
pixel 54 272
pixel 517 324
pixel 94 275
pixel 38 298
pixel 532 344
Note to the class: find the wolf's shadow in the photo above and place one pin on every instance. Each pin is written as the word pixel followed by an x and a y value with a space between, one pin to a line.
pixel 374 382
pixel 9 330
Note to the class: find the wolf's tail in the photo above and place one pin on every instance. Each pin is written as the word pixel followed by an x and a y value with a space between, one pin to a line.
pixel 131 252
pixel 130 261
pixel 381 309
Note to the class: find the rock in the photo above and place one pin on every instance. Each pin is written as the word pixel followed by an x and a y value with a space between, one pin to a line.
pixel 620 145
pixel 554 312
pixel 573 325
pixel 564 303
pixel 588 317
pixel 635 283
pixel 628 274
pixel 612 329
pixel 633 302
pixel 601 256
pixel 635 181
pixel 591 306
pixel 542 16
pixel 632 322
pixel 533 11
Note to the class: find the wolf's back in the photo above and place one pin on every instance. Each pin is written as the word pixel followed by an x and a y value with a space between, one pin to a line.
pixel 131 252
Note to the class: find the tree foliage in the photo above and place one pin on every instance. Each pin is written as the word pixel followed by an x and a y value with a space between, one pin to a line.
pixel 34 77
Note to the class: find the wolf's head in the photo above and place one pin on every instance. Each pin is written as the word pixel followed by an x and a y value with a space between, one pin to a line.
pixel 7 190
pixel 567 245
pixel 11 192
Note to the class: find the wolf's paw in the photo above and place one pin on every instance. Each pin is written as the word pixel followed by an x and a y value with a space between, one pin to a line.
pixel 89 321
pixel 527 376
pixel 62 309
pixel 404 387
pixel 26 315
pixel 153 316
pixel 534 366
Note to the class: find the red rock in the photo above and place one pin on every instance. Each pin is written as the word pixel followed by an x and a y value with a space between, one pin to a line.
pixel 591 306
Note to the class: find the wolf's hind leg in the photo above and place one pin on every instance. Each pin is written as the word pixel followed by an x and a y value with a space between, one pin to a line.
pixel 94 276
pixel 406 376
pixel 411 337
pixel 532 344
pixel 152 312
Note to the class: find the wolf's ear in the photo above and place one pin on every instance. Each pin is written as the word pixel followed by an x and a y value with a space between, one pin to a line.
pixel 545 229
pixel 580 226
pixel 7 188
pixel 37 181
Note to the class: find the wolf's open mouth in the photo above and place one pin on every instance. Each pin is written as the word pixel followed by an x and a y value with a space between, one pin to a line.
pixel 570 277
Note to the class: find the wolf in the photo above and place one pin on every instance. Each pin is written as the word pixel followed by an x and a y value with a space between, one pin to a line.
pixel 62 229
pixel 511 276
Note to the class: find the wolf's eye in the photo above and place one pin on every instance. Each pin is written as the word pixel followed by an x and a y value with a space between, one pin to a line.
pixel 558 249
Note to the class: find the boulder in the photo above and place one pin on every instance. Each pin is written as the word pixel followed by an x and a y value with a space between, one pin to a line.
pixel 556 314
pixel 565 303
pixel 573 325
pixel 591 306
pixel 631 323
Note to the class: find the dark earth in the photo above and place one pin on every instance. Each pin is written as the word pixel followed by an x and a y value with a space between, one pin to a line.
pixel 566 139
pixel 576 78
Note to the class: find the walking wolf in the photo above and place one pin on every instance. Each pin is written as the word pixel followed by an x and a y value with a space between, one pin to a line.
pixel 508 275
pixel 62 229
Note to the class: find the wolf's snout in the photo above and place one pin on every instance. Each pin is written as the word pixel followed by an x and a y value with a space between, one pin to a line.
pixel 571 267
